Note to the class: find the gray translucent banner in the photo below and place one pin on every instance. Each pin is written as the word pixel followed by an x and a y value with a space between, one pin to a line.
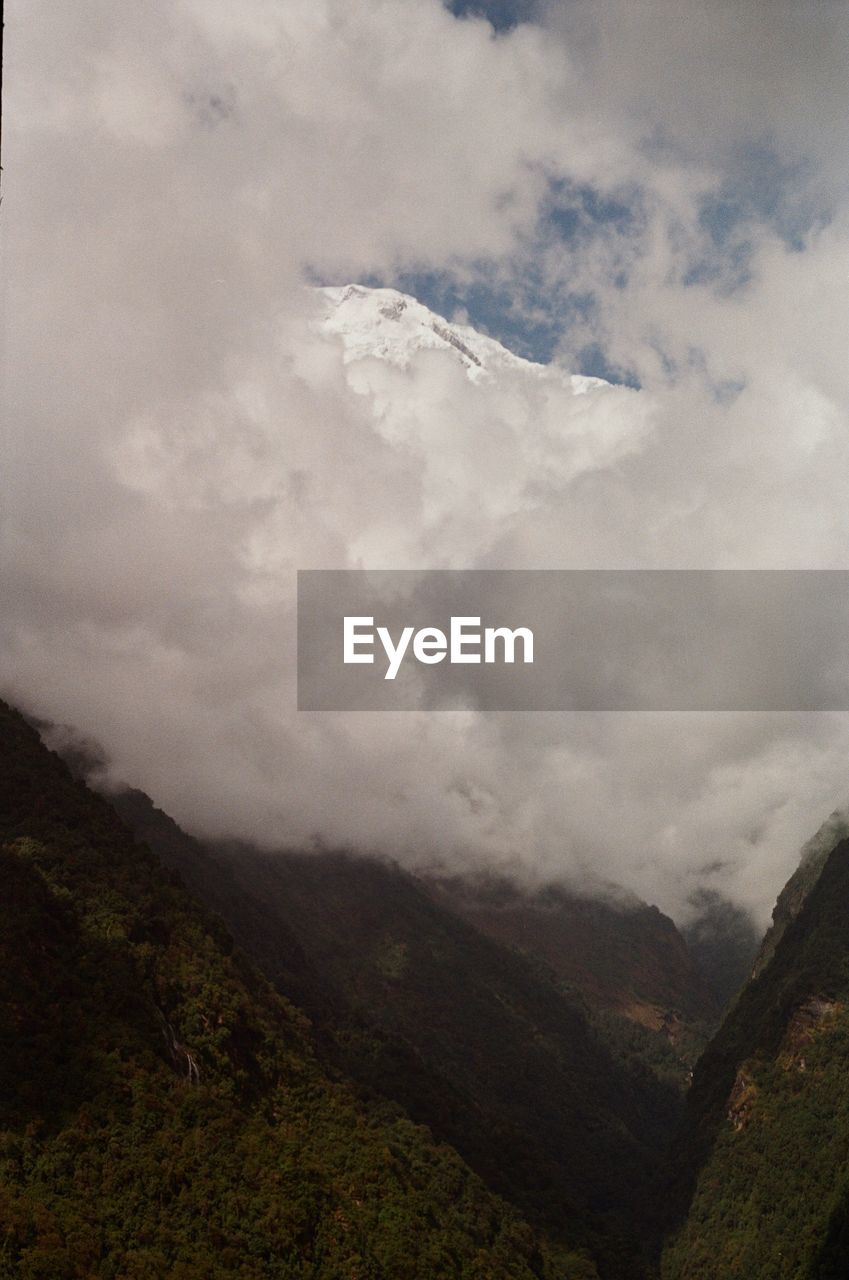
pixel 600 640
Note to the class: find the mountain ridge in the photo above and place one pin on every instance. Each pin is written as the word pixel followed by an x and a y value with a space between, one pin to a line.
pixel 388 325
pixel 413 1001
pixel 758 1184
pixel 623 955
pixel 165 1112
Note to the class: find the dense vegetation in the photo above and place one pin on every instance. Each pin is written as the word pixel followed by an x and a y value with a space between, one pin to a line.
pixel 478 1042
pixel 174 1107
pixel 764 1160
pixel 163 1112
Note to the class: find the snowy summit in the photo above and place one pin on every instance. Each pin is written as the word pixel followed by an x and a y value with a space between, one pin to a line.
pixel 393 326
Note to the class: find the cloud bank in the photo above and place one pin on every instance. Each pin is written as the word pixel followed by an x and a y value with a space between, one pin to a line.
pixel 180 439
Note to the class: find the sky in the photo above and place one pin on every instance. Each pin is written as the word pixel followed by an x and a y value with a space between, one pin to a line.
pixel 648 191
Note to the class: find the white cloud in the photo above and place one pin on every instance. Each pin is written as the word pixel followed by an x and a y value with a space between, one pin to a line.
pixel 181 442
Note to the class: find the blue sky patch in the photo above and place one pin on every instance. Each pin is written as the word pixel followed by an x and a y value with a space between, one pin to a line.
pixel 530 303
pixel 502 14
pixel 761 187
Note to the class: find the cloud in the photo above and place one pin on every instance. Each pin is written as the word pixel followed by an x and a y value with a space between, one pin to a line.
pixel 692 81
pixel 182 440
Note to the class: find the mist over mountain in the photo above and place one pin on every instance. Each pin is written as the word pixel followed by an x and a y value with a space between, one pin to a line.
pixel 164 1112
pixel 394 436
pixel 723 940
pixel 621 954
pixel 756 1167
pixel 425 285
pixel 496 1018
pixel 406 1001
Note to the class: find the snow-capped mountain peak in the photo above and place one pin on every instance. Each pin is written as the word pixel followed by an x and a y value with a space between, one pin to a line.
pixel 393 326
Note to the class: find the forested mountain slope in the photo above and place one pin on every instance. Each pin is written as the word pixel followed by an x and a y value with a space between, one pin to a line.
pixel 765 1151
pixel 625 957
pixel 163 1112
pixel 813 858
pixel 472 1038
